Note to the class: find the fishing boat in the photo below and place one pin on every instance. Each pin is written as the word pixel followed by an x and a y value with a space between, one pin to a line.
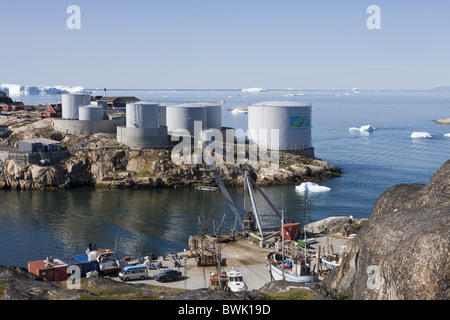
pixel 106 259
pixel 235 281
pixel 214 280
pixel 293 269
pixel 290 269
pixel 331 261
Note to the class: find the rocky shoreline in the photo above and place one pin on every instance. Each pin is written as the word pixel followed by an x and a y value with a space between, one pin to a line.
pixel 403 252
pixel 103 162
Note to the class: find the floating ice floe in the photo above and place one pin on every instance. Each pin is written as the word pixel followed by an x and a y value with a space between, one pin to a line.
pixel 447 135
pixel 254 90
pixel 240 110
pixel 311 187
pixel 366 128
pixel 420 135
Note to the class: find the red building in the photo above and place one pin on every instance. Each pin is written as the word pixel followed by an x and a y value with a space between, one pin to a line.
pixel 52 111
pixel 13 107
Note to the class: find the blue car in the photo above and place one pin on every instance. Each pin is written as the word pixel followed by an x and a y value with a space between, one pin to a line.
pixel 167 275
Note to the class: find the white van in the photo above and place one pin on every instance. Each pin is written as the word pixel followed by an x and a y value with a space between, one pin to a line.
pixel 134 272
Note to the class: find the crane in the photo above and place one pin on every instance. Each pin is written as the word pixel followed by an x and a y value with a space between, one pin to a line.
pixel 246 223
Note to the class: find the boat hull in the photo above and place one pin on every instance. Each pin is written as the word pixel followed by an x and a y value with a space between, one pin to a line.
pixel 277 274
pixel 329 265
pixel 237 287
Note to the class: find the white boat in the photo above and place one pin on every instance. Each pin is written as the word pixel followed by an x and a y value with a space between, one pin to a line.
pixel 106 259
pixel 207 188
pixel 236 281
pixel 292 270
pixel 331 261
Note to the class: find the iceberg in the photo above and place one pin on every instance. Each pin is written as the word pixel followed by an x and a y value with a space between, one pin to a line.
pixel 366 128
pixel 239 110
pixel 420 135
pixel 11 89
pixel 254 90
pixel 20 90
pixel 311 187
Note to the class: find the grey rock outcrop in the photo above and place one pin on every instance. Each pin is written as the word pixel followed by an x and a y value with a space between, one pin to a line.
pixel 403 253
pixel 330 224
pixel 123 167
pixel 98 160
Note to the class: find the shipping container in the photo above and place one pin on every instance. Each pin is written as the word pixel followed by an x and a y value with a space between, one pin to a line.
pixel 72 261
pixel 53 270
pixel 86 265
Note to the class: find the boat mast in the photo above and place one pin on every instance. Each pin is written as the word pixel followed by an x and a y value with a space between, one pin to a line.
pixel 216 231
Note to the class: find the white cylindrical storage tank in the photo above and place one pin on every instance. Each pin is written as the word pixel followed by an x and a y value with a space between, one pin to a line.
pixel 213 115
pixel 71 102
pixel 142 114
pixel 183 116
pixel 291 119
pixel 91 112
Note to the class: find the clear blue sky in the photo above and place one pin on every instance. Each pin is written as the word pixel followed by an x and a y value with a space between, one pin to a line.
pixel 227 44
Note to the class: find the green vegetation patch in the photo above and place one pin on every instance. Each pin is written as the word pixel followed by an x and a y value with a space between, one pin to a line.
pixel 341 295
pixel 143 174
pixel 294 294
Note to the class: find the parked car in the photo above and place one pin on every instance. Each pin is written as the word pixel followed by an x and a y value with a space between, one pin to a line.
pixel 167 275
pixel 133 272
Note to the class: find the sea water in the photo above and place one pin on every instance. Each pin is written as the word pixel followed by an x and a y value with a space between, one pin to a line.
pixel 37 224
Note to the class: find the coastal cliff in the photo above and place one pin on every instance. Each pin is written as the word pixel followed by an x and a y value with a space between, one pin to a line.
pixel 403 253
pixel 98 160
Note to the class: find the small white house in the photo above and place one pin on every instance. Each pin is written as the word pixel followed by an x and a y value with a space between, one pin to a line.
pixel 39 145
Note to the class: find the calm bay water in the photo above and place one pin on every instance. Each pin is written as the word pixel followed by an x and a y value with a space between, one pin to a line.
pixel 34 225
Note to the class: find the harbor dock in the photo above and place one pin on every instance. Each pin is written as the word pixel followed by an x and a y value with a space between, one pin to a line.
pixel 245 254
